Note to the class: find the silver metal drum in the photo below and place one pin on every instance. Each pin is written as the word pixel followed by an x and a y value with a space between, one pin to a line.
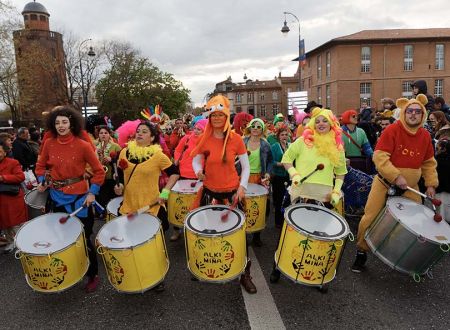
pixel 36 201
pixel 405 237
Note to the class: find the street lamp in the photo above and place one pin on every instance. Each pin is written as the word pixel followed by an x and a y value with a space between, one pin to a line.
pixel 285 29
pixel 85 93
pixel 253 94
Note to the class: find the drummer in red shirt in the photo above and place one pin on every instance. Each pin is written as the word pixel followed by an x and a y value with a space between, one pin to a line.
pixel 220 178
pixel 64 157
pixel 403 155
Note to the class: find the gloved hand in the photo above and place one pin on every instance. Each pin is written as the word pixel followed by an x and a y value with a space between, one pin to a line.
pixel 164 194
pixel 295 177
pixel 335 198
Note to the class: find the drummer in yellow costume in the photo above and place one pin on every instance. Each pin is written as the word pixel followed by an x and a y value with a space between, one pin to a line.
pixel 403 154
pixel 320 165
pixel 142 162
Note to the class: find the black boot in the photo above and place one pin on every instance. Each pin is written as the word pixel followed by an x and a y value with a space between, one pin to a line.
pixel 246 280
pixel 275 275
pixel 360 262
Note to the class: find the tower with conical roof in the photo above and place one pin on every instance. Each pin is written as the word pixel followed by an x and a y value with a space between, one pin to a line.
pixel 40 64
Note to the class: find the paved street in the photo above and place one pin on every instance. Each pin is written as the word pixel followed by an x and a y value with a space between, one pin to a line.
pixel 378 299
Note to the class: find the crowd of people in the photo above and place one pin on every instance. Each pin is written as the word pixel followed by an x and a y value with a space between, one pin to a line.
pixel 401 143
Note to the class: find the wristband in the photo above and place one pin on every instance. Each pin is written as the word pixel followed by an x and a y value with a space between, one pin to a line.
pixel 164 194
pixel 292 172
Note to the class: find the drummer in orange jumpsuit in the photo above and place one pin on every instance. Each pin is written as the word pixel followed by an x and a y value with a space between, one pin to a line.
pixel 403 155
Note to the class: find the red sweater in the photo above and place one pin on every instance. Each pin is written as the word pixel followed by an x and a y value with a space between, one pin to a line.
pixel 66 158
pixel 406 150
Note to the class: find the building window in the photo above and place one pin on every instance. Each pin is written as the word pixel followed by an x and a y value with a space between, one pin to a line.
pixel 328 97
pixel 319 67
pixel 54 53
pixel 309 82
pixel 33 17
pixel 262 96
pixel 238 97
pixel 42 18
pixel 25 17
pixel 328 68
pixel 365 59
pixel 263 110
pixel 439 65
pixel 365 93
pixel 250 97
pixel 407 89
pixel 274 96
pixel 274 109
pixel 438 87
pixel 408 56
pixel 319 94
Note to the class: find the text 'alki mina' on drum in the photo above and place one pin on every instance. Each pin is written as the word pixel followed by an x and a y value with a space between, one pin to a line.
pixel 255 208
pixel 311 244
pixel 134 252
pixel 181 197
pixel 113 207
pixel 53 255
pixel 405 237
pixel 215 247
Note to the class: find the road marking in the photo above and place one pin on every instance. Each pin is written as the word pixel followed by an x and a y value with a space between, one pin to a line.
pixel 261 309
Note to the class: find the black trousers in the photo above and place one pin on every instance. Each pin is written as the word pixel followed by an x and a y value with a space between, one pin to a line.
pixel 106 192
pixel 278 193
pixel 88 223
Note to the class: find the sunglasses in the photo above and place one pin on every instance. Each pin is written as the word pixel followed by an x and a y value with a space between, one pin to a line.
pixel 410 111
pixel 256 127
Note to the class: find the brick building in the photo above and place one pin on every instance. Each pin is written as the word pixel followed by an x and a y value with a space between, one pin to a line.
pixel 40 64
pixel 261 98
pixel 373 64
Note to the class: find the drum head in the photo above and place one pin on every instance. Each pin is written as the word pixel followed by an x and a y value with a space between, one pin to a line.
pixel 44 235
pixel 207 220
pixel 114 205
pixel 317 221
pixel 184 186
pixel 122 232
pixel 36 199
pixel 419 219
pixel 254 189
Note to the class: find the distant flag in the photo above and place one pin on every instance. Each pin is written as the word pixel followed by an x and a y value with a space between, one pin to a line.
pixel 302 58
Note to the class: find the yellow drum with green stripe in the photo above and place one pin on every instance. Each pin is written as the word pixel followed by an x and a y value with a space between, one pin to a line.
pixel 134 253
pixel 215 249
pixel 311 244
pixel 53 255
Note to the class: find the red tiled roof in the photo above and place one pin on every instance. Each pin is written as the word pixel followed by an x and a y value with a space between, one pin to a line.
pixel 397 34
pixel 373 36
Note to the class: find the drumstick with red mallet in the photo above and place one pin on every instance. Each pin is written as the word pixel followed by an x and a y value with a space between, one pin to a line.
pixel 319 167
pixel 64 219
pixel 224 216
pixel 434 202
pixel 205 155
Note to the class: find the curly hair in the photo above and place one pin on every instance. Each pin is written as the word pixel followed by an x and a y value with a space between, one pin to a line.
pixel 75 119
pixel 154 130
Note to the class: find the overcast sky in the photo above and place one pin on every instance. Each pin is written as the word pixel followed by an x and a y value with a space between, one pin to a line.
pixel 203 42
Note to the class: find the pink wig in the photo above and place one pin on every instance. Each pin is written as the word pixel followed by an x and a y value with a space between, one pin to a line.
pixel 127 131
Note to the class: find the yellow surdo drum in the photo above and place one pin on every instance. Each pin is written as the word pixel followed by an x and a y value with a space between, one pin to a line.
pixel 53 255
pixel 255 208
pixel 134 252
pixel 215 249
pixel 311 244
pixel 181 197
pixel 113 208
